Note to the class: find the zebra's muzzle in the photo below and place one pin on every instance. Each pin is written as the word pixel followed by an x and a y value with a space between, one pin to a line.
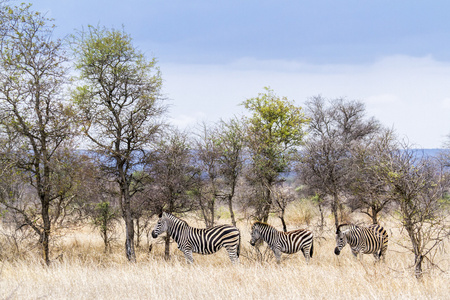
pixel 154 235
pixel 337 251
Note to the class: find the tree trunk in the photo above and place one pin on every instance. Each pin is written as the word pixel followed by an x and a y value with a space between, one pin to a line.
pixel 104 233
pixel 374 216
pixel 267 206
pixel 167 247
pixel 334 208
pixel 415 243
pixel 230 207
pixel 283 221
pixel 266 212
pixel 418 265
pixel 129 243
pixel 206 209
pixel 46 231
pixel 138 233
pixel 129 230
pixel 211 209
pixel 43 184
pixel 322 219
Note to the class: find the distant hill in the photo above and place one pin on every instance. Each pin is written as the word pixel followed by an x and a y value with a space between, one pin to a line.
pixel 429 152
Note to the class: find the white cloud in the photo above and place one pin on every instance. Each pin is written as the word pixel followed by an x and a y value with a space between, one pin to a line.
pixel 384 99
pixel 400 91
pixel 185 121
pixel 446 104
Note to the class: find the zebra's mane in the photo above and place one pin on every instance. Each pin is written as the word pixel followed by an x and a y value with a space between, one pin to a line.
pixel 264 225
pixel 172 217
pixel 344 227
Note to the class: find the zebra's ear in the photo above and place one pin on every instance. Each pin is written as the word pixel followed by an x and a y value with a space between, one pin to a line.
pixel 160 214
pixel 344 228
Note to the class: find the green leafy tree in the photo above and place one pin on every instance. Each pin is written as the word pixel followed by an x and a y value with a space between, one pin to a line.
pixel 104 218
pixel 34 116
pixel 231 142
pixel 120 106
pixel 275 130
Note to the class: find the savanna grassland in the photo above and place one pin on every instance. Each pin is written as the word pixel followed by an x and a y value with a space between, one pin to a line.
pixel 84 271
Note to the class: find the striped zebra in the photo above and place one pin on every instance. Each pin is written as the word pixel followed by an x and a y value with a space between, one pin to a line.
pixel 195 240
pixel 283 242
pixel 368 240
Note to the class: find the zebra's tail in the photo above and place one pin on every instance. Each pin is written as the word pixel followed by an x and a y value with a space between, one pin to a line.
pixel 381 247
pixel 238 252
pixel 312 249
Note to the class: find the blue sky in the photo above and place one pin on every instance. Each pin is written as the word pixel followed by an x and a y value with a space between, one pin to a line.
pixel 392 55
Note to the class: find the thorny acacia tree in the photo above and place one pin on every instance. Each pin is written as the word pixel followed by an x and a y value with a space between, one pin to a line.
pixel 230 135
pixel 367 189
pixel 282 197
pixel 219 153
pixel 120 107
pixel 174 178
pixel 418 185
pixel 334 126
pixel 33 113
pixel 275 129
pixel 208 154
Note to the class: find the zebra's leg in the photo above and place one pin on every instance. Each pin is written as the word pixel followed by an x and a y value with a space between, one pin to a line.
pixel 377 256
pixel 355 253
pixel 188 256
pixel 383 256
pixel 307 253
pixel 383 252
pixel 277 253
pixel 232 253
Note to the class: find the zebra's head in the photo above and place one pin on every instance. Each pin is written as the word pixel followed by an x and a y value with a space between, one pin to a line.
pixel 341 238
pixel 161 225
pixel 256 235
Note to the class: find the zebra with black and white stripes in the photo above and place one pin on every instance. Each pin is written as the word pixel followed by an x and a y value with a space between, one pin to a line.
pixel 368 240
pixel 283 242
pixel 199 240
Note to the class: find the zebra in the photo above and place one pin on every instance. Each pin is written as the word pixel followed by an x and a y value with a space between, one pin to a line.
pixel 368 240
pixel 283 242
pixel 195 240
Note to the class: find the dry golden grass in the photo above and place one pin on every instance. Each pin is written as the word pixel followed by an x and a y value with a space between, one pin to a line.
pixel 85 272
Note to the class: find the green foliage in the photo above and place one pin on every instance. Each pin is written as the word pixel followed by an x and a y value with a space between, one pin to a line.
pixel 274 130
pixel 223 213
pixel 444 202
pixel 104 218
pixel 117 89
pixel 276 120
pixel 35 119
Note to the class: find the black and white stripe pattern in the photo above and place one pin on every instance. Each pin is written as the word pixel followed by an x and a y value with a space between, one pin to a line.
pixel 283 242
pixel 195 240
pixel 367 240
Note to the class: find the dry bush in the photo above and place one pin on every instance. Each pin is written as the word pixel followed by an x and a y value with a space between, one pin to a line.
pixel 16 244
pixel 300 214
pixel 86 272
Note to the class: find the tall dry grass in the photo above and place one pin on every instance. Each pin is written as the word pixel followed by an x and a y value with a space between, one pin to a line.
pixel 86 272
